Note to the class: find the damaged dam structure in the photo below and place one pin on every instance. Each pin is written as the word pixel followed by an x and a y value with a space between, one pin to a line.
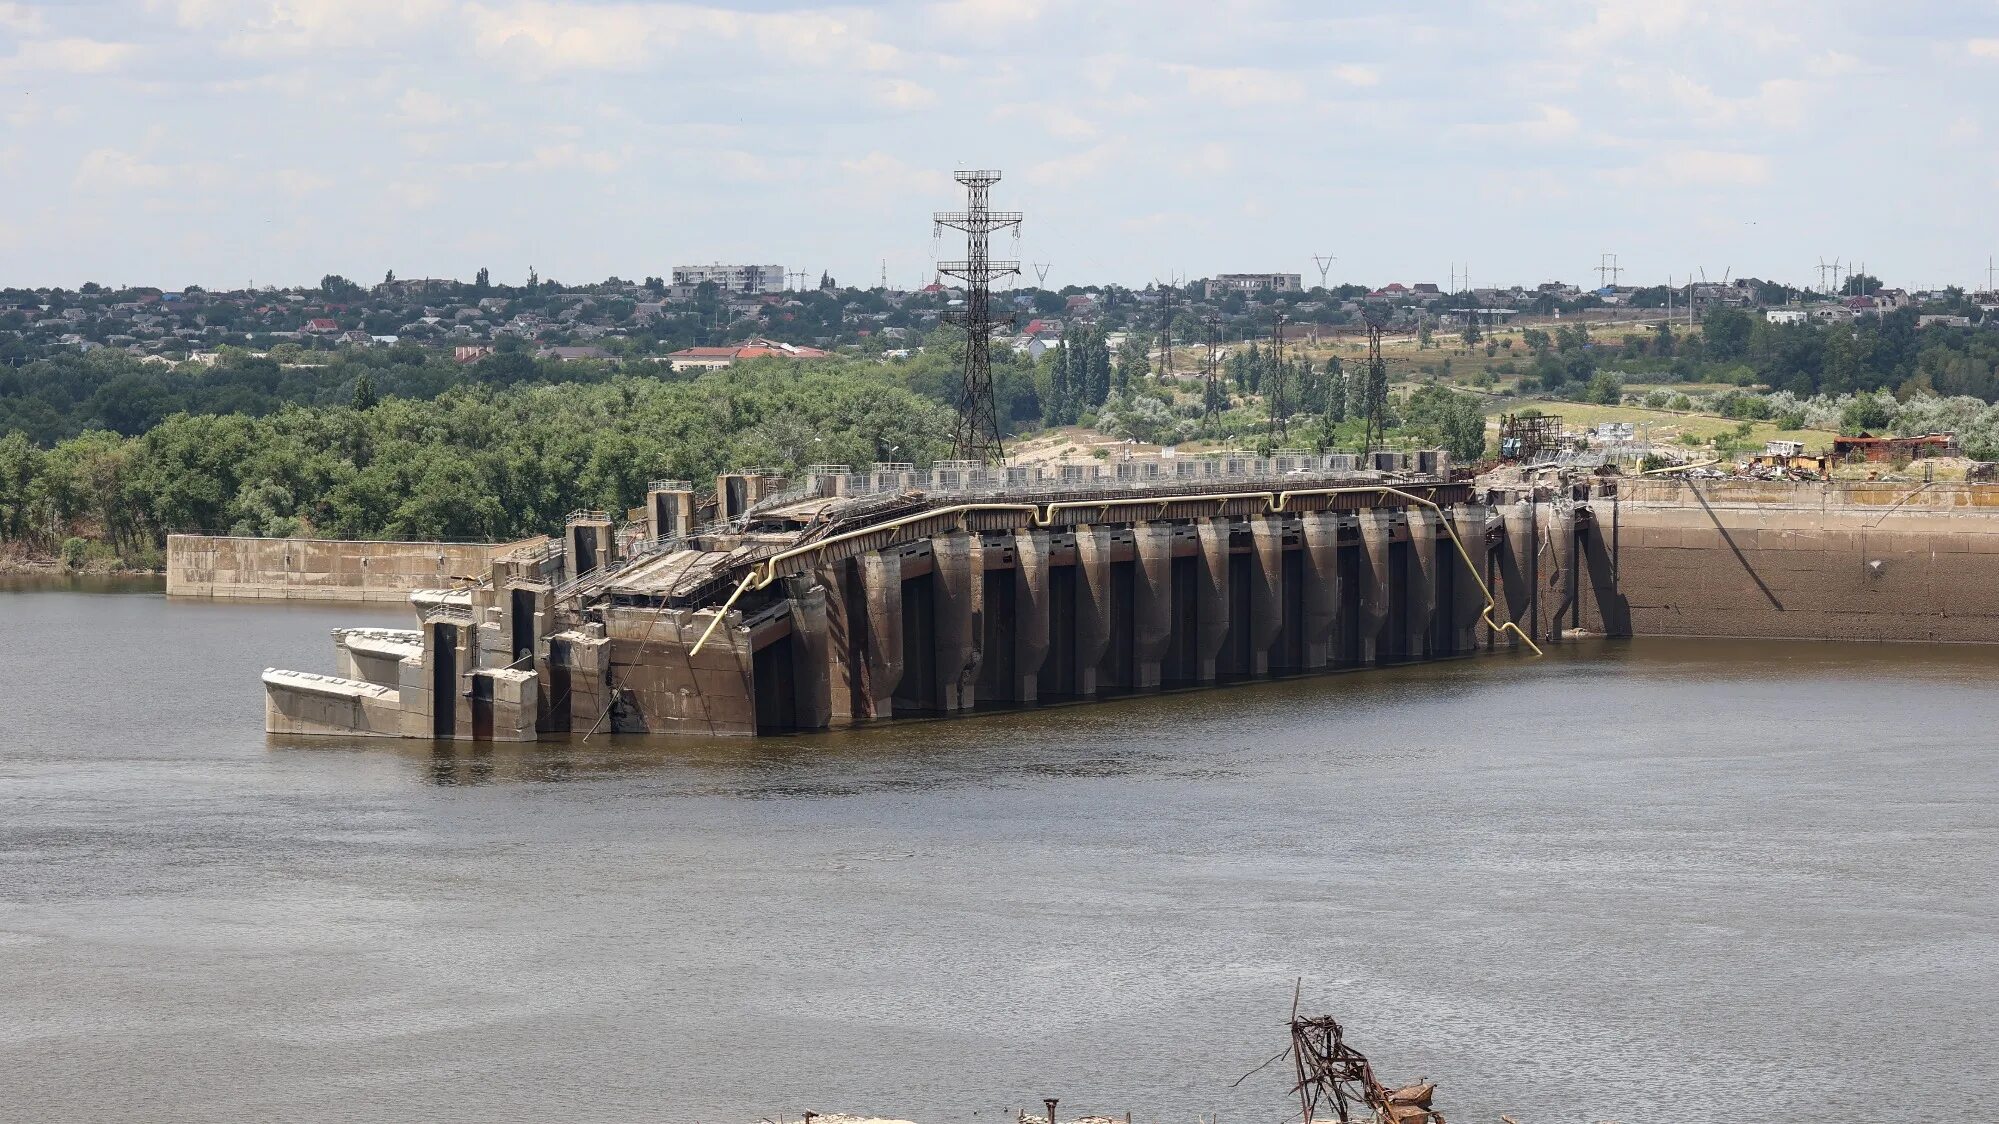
pixel 775 605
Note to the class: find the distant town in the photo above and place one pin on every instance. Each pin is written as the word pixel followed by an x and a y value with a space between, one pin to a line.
pixel 708 316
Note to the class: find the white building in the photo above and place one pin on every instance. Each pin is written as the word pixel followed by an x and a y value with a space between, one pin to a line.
pixel 752 279
pixel 1784 315
pixel 1255 282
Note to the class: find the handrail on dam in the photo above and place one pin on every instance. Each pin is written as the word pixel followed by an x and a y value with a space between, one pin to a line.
pixel 764 573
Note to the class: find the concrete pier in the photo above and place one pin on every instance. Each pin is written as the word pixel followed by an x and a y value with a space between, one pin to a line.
pixel 1093 604
pixel 1212 594
pixel 1152 616
pixel 1421 579
pixel 1377 530
pixel 881 664
pixel 1031 608
pixel 1518 567
pixel 1266 597
pixel 1320 598
pixel 1469 521
pixel 958 581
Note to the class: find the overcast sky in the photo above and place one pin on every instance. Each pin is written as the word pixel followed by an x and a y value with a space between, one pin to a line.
pixel 217 142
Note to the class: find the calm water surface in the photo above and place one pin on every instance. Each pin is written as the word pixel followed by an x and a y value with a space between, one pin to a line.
pixel 1641 882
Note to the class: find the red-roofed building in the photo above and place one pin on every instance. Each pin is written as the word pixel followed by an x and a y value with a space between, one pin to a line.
pixel 321 326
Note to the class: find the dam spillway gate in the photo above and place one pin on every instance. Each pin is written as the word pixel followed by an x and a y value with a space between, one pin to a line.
pixel 855 597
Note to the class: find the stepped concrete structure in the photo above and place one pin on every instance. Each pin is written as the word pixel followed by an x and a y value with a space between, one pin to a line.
pixel 844 597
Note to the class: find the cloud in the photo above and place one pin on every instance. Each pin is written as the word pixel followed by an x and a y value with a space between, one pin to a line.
pixel 411 196
pixel 880 173
pixel 1984 48
pixel 259 28
pixel 1696 168
pixel 987 17
pixel 69 56
pixel 111 169
pixel 570 156
pixel 421 107
pixel 1550 123
pixel 1074 168
pixel 1058 121
pixel 1240 85
pixel 901 93
pixel 21 18
pixel 298 182
pixel 1213 158
pixel 1776 102
pixel 552 35
pixel 1616 21
pixel 1354 74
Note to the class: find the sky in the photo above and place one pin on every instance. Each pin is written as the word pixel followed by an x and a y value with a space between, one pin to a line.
pixel 225 142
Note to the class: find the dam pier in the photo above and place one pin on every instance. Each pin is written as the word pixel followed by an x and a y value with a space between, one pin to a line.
pixel 773 605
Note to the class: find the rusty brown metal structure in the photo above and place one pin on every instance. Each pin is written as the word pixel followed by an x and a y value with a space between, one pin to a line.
pixel 1529 437
pixel 1333 1075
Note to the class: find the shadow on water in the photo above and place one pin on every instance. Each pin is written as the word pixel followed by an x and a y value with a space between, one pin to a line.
pixel 82 583
pixel 1144 736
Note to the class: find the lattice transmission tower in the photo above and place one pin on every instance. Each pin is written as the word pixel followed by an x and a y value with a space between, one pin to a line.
pixel 977 433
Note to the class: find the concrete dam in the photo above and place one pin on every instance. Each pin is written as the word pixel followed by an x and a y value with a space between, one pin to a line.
pixel 775 605
pixel 769 605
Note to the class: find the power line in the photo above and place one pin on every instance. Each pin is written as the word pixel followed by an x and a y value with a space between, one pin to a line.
pixel 1325 264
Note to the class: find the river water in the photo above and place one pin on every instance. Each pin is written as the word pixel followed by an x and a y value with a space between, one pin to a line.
pixel 1638 882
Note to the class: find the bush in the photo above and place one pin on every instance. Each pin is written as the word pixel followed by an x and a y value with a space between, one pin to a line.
pixel 1604 389
pixel 75 552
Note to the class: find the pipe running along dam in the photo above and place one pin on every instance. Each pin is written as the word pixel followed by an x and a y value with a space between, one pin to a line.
pixel 775 605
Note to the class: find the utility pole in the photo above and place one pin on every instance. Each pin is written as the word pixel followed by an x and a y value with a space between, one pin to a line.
pixel 1607 270
pixel 1273 394
pixel 1041 274
pixel 1169 300
pixel 1210 391
pixel 976 436
pixel 1375 391
pixel 1325 264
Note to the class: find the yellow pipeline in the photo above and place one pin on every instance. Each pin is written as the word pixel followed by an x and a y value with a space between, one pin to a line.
pixel 769 565
pixel 764 573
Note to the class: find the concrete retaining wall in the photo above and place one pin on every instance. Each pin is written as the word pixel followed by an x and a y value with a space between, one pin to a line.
pixel 1801 561
pixel 227 567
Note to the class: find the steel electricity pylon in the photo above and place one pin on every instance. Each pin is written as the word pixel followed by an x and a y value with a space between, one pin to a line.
pixel 976 436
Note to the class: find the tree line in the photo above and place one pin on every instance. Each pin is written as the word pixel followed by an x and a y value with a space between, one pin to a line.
pixel 475 463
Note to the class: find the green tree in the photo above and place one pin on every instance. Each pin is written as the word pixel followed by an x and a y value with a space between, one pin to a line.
pixel 1336 391
pixel 365 397
pixel 1604 388
pixel 1727 332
